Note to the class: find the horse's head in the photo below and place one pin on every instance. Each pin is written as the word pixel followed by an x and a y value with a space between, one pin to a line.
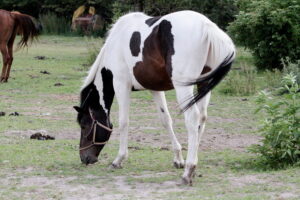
pixel 95 132
pixel 95 125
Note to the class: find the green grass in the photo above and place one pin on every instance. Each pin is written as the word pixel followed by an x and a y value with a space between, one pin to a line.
pixel 31 169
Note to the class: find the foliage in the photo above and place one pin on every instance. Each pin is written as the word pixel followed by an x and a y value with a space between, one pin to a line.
pixel 52 24
pixel 281 129
pixel 270 29
pixel 219 11
pixel 294 68
pixel 240 82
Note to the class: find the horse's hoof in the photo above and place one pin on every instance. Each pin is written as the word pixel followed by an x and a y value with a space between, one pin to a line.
pixel 186 181
pixel 178 165
pixel 115 166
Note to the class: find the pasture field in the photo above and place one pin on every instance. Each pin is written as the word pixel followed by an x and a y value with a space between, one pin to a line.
pixel 33 169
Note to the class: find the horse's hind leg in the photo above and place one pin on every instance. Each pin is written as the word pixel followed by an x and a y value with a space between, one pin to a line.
pixel 202 105
pixel 192 119
pixel 10 53
pixel 5 59
pixel 160 100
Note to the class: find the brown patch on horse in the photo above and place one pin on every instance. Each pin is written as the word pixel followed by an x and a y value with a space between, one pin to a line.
pixel 155 70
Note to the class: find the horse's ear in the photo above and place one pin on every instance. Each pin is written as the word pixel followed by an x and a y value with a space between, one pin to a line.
pixel 78 109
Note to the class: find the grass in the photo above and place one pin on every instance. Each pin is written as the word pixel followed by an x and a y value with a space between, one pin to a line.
pixel 31 169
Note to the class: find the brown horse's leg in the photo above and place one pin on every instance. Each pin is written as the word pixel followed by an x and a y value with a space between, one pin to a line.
pixel 10 53
pixel 5 55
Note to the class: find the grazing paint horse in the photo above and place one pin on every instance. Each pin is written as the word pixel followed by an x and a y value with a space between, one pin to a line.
pixel 176 51
pixel 13 23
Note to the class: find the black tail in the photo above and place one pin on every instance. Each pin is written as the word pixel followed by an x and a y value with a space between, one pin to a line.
pixel 208 82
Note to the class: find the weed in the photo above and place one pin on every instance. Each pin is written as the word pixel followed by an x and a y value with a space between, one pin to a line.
pixel 281 128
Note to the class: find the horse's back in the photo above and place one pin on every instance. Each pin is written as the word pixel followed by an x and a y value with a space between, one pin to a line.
pixel 154 50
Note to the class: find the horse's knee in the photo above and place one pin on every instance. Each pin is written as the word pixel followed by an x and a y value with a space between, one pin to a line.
pixel 123 125
pixel 7 59
pixel 203 118
pixel 11 59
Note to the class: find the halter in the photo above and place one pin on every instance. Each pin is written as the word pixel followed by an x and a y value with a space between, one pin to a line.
pixel 93 130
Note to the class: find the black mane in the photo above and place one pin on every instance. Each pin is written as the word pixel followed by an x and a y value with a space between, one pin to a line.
pixel 89 97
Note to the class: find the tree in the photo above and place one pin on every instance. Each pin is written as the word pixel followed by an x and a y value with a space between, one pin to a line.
pixel 270 29
pixel 219 11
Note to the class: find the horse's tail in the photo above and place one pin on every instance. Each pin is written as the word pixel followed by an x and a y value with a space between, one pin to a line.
pixel 208 82
pixel 25 26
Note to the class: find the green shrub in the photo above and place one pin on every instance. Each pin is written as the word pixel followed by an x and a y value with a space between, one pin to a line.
pixel 294 68
pixel 280 146
pixel 270 29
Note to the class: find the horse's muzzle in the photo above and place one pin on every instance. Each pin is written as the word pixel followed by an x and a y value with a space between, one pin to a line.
pixel 85 159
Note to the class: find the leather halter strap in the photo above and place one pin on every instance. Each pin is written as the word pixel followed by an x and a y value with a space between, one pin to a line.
pixel 95 123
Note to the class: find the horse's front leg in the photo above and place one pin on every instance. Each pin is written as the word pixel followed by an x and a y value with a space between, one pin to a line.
pixel 122 91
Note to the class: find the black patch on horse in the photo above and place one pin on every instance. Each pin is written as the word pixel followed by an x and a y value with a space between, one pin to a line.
pixel 89 97
pixel 108 88
pixel 135 43
pixel 152 20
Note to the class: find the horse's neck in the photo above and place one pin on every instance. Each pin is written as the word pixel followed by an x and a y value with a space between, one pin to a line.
pixel 104 84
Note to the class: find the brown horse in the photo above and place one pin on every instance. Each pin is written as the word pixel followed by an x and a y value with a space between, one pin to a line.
pixel 13 23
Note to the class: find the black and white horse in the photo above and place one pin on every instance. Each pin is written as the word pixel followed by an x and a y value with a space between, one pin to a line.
pixel 176 51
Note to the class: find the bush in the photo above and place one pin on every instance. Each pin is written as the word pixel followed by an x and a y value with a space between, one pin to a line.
pixel 281 128
pixel 270 29
pixel 289 67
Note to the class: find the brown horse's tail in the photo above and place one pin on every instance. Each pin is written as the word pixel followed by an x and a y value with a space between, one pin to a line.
pixel 25 26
